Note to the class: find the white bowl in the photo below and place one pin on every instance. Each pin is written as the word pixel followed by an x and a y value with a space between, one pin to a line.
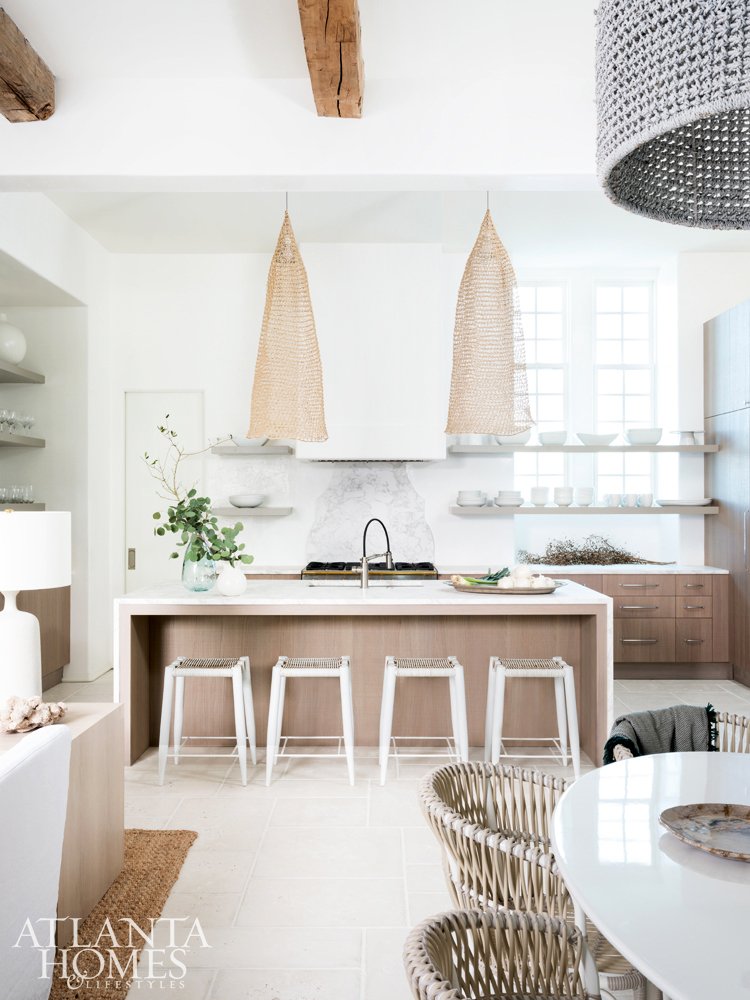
pixel 597 440
pixel 469 439
pixel 502 502
pixel 553 437
pixel 247 499
pixel 646 435
pixel 521 438
pixel 251 442
pixel 471 503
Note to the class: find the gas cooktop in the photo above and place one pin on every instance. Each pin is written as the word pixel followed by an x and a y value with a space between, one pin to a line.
pixel 420 570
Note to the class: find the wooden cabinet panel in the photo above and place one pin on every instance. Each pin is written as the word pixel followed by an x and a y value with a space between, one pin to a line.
pixel 720 623
pixel 637 584
pixel 694 607
pixel 644 606
pixel 694 585
pixel 591 580
pixel 693 641
pixel 645 640
pixel 726 349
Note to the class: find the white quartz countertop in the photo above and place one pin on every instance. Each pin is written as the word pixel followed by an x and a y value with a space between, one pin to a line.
pixel 348 595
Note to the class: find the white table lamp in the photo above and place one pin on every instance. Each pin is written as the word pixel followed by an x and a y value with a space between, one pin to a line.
pixel 34 555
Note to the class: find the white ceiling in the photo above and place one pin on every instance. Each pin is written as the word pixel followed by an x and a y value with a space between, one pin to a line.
pixel 545 228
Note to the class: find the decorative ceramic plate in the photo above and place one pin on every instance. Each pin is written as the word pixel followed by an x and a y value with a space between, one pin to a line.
pixel 717 827
pixel 704 502
pixel 478 588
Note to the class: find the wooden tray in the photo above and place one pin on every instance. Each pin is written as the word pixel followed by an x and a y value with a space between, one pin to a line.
pixel 716 827
pixel 478 588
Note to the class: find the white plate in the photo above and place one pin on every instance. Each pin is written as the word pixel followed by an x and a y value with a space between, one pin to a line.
pixel 704 502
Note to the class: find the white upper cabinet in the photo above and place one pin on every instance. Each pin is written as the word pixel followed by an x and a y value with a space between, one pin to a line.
pixel 386 362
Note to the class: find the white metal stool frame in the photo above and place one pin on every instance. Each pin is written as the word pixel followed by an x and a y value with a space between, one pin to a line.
pixel 427 666
pixel 287 666
pixel 565 703
pixel 235 668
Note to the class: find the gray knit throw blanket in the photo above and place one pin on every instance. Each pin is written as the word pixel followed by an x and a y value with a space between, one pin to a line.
pixel 682 728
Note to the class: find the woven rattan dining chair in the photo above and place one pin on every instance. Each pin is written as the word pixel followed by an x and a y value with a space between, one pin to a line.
pixel 493 823
pixel 469 955
pixel 732 735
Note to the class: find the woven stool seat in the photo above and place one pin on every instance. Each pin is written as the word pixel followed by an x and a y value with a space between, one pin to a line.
pixel 185 664
pixel 292 663
pixel 420 665
pixel 549 668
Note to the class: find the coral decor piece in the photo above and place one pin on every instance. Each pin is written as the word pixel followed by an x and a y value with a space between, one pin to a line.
pixel 287 399
pixel 489 392
pixel 21 715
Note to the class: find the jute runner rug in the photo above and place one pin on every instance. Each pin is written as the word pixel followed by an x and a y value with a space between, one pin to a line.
pixel 102 962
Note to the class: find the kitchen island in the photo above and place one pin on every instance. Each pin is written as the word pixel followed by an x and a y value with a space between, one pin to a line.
pixel 296 618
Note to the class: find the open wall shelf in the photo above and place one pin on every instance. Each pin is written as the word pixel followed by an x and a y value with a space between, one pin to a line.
pixel 581 449
pixel 20 441
pixel 252 511
pixel 240 451
pixel 582 511
pixel 22 506
pixel 12 373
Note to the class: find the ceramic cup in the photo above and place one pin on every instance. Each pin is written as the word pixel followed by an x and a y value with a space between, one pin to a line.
pixel 563 496
pixel 539 495
pixel 629 499
pixel 612 499
pixel 583 496
pixel 645 499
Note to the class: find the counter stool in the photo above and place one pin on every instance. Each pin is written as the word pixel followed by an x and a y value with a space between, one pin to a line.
pixel 565 701
pixel 449 667
pixel 287 666
pixel 238 669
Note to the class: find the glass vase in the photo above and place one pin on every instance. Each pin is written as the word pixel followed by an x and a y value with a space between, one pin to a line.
pixel 198 571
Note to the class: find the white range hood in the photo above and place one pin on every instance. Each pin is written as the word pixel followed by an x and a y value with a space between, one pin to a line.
pixel 379 317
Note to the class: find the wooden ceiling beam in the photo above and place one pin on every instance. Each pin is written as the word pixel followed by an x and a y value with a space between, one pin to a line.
pixel 27 86
pixel 333 47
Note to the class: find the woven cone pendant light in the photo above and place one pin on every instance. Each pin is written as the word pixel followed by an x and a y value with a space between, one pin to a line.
pixel 673 109
pixel 489 394
pixel 287 397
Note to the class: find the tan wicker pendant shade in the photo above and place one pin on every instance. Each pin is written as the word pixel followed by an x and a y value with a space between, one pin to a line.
pixel 287 397
pixel 489 394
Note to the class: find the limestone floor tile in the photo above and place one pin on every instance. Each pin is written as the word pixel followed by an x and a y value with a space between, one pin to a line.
pixel 63 691
pixel 329 902
pixel 147 811
pixel 425 878
pixel 320 812
pixel 421 846
pixel 278 948
pixel 289 788
pixel 215 871
pixel 186 780
pixel 384 967
pixel 395 805
pixel 214 909
pixel 194 985
pixel 345 853
pixel 427 904
pixel 283 984
pixel 733 687
pixel 228 826
pixel 93 692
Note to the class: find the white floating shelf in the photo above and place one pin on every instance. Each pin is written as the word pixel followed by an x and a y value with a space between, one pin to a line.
pixel 580 449
pixel 552 511
pixel 241 451
pixel 22 506
pixel 12 373
pixel 252 511
pixel 20 441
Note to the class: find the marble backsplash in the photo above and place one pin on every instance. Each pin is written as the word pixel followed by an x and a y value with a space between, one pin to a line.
pixel 359 491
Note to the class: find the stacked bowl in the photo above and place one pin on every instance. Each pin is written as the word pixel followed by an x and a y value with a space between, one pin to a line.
pixel 470 498
pixel 508 498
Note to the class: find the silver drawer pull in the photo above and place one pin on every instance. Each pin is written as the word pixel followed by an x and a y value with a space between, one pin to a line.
pixel 641 641
pixel 639 607
pixel 640 585
pixel 693 642
pixel 693 586
pixel 693 607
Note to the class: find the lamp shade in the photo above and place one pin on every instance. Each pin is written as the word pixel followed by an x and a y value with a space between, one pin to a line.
pixel 34 550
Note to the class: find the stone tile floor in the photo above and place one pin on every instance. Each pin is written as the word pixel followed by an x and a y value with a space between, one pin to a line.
pixel 307 889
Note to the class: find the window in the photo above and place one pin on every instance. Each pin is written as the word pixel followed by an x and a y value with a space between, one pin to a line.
pixel 623 380
pixel 544 315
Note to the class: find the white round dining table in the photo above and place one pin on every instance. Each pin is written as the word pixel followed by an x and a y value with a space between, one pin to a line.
pixel 679 914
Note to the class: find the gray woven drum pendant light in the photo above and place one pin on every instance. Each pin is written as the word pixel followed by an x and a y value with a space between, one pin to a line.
pixel 673 109
pixel 287 399
pixel 489 394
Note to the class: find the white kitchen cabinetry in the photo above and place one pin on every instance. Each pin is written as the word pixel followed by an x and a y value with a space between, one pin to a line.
pixel 378 314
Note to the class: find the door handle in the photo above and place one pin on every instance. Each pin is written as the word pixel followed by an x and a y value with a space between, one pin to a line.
pixel 693 607
pixel 131 558
pixel 643 584
pixel 744 536
pixel 691 586
pixel 639 607
pixel 640 641
pixel 691 642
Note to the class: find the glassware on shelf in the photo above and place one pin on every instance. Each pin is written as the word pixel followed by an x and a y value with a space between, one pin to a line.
pixel 28 494
pixel 12 422
pixel 4 419
pixel 16 494
pixel 4 494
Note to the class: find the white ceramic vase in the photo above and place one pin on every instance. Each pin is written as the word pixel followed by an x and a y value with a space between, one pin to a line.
pixel 12 342
pixel 231 581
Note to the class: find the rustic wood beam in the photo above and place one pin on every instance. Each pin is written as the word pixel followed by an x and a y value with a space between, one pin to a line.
pixel 27 86
pixel 333 46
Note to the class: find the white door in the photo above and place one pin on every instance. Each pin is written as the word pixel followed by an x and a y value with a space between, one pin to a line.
pixel 146 557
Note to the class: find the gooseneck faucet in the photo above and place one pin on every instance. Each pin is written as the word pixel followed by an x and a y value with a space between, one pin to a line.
pixel 364 565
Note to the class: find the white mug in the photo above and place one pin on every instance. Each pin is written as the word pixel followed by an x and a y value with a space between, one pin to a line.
pixel 563 496
pixel 645 499
pixel 613 499
pixel 629 499
pixel 539 495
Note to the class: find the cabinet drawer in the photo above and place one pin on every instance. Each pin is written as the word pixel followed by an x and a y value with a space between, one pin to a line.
pixel 628 584
pixel 591 580
pixel 694 585
pixel 640 640
pixel 643 606
pixel 694 641
pixel 694 607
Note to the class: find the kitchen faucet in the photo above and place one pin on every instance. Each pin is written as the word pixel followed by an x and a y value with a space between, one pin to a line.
pixel 364 564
